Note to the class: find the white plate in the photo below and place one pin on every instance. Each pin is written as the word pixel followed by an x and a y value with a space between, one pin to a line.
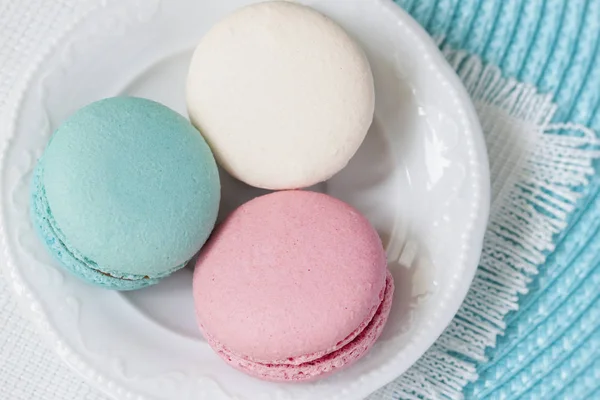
pixel 421 177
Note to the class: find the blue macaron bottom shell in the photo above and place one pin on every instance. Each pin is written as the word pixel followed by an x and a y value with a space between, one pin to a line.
pixel 68 257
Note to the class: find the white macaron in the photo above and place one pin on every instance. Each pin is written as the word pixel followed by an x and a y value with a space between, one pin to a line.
pixel 283 95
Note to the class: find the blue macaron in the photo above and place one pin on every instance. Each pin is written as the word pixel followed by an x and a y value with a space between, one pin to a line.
pixel 126 192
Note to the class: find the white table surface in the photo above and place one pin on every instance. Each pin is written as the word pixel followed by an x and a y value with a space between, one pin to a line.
pixel 28 368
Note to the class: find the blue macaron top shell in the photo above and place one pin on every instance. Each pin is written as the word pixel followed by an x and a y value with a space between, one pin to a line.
pixel 128 188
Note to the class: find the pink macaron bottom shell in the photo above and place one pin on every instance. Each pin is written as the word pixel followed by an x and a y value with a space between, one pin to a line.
pixel 306 358
pixel 341 357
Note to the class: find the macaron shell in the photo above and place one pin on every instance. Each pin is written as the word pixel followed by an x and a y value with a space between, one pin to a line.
pixel 290 274
pixel 305 111
pixel 132 186
pixel 326 365
pixel 64 253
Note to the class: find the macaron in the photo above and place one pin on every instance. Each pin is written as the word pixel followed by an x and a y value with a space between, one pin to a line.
pixel 279 84
pixel 292 286
pixel 126 192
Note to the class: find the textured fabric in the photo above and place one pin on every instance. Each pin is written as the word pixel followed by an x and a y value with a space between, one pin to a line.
pixel 551 346
pixel 533 69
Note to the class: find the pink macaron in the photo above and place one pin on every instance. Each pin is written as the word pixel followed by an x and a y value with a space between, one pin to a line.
pixel 292 286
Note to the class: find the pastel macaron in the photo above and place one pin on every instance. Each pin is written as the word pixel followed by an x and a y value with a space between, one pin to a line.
pixel 282 93
pixel 126 192
pixel 292 286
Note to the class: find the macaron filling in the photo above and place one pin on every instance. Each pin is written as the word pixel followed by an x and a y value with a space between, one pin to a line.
pixel 69 256
pixel 319 364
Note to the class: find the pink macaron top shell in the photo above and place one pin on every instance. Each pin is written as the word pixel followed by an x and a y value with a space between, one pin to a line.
pixel 289 277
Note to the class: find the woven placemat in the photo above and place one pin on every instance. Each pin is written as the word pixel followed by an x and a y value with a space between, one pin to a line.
pixel 529 327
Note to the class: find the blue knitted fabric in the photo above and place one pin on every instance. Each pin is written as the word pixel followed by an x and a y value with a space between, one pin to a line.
pixel 550 347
